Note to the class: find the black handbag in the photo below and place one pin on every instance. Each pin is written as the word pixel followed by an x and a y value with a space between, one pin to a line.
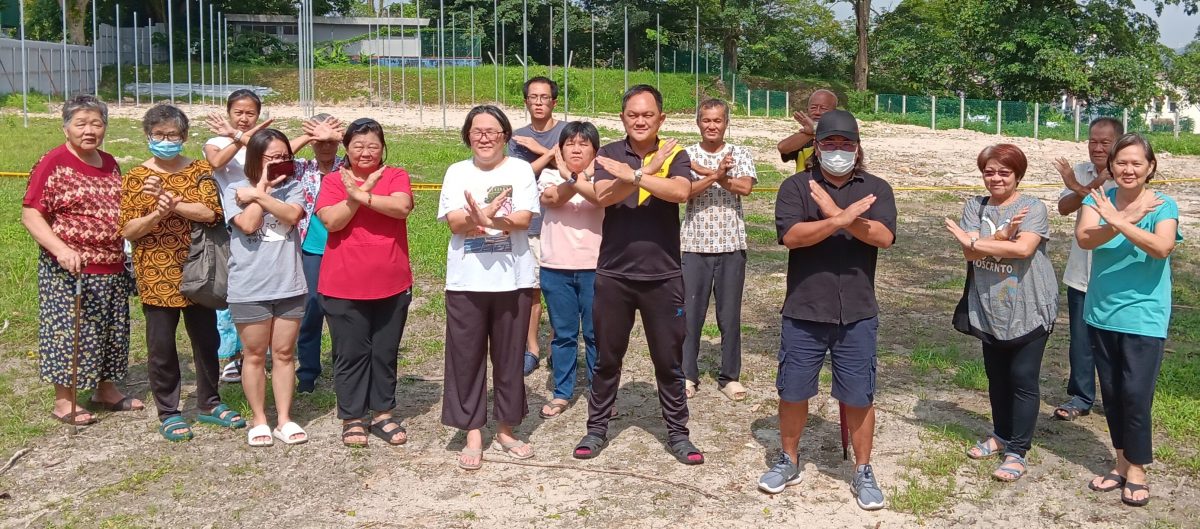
pixel 962 315
pixel 206 270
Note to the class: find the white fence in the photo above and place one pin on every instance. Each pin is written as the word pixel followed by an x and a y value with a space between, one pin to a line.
pixel 106 44
pixel 46 73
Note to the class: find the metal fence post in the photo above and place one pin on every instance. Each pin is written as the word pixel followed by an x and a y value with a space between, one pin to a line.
pixel 787 101
pixel 962 111
pixel 876 103
pixel 1076 105
pixel 933 112
pixel 998 128
pixel 904 105
pixel 768 103
pixel 1125 119
pixel 1037 107
pixel 747 102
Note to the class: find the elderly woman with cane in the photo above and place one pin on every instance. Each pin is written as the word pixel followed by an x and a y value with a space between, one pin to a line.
pixel 71 208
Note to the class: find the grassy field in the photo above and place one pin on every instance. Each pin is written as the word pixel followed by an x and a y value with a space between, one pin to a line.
pixel 933 390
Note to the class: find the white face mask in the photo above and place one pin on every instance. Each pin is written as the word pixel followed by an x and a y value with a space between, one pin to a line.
pixel 837 163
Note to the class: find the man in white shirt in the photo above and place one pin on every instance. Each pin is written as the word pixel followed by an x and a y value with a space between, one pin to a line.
pixel 1079 181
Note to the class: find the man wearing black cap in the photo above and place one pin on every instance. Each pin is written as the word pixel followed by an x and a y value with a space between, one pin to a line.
pixel 833 217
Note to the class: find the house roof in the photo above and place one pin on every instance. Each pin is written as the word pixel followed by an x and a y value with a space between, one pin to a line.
pixel 336 21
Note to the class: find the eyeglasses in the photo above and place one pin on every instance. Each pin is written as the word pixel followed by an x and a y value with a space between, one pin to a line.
pixel 488 134
pixel 277 158
pixel 993 174
pixel 539 99
pixel 847 146
pixel 166 137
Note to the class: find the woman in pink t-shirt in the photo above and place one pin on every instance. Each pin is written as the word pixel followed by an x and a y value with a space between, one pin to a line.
pixel 366 281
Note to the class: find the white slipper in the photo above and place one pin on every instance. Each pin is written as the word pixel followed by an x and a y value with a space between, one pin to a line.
pixel 284 433
pixel 261 430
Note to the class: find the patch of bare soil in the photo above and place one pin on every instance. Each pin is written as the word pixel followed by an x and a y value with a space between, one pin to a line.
pixel 121 473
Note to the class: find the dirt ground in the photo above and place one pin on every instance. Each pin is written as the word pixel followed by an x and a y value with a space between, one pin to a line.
pixel 120 473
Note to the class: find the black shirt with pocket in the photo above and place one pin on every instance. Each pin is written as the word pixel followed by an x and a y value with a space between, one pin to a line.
pixel 832 281
pixel 640 242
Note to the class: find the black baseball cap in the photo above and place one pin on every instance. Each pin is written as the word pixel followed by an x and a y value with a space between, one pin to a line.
pixel 837 123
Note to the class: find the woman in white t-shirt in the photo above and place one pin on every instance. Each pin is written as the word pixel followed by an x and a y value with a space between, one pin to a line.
pixel 488 202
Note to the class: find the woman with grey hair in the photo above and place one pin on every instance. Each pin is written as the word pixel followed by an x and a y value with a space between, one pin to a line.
pixel 70 208
pixel 160 201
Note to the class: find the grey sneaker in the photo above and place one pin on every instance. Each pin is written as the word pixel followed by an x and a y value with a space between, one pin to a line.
pixel 783 474
pixel 866 491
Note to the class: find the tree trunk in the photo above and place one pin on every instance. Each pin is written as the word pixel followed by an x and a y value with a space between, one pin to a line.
pixel 862 16
pixel 729 48
pixel 79 13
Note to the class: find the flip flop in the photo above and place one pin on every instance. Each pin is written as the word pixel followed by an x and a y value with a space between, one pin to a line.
pixel 734 390
pixel 125 404
pixel 1132 488
pixel 261 430
pixel 557 407
pixel 471 452
pixel 1111 476
pixel 510 449
pixel 1070 412
pixel 72 419
pixel 287 430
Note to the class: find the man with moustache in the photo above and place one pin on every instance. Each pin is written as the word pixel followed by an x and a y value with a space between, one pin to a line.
pixel 640 181
pixel 714 246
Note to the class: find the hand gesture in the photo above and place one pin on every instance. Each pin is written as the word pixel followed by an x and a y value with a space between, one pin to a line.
pixel 958 233
pixel 702 170
pixel 854 211
pixel 531 144
pixel 219 124
pixel 483 217
pixel 807 125
pixel 250 133
pixel 1145 204
pixel 273 182
pixel 724 167
pixel 166 203
pixel 622 171
pixel 329 129
pixel 560 163
pixel 660 157
pixel 1105 207
pixel 1067 173
pixel 825 202
pixel 71 261
pixel 247 195
pixel 372 179
pixel 152 185
pixel 1012 228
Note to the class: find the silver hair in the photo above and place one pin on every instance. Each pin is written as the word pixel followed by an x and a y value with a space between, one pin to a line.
pixel 825 91
pixel 321 117
pixel 165 113
pixel 84 102
pixel 712 103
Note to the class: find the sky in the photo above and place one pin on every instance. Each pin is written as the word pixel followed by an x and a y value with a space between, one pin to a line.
pixel 1175 28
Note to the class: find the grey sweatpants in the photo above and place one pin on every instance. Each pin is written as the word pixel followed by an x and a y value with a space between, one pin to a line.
pixel 705 274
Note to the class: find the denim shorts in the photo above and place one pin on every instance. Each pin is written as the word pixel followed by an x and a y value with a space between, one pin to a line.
pixel 851 348
pixel 255 311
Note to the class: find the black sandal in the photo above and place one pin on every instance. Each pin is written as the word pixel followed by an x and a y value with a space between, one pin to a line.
pixel 379 429
pixel 682 451
pixel 346 433
pixel 1132 488
pixel 589 447
pixel 1111 476
pixel 1070 412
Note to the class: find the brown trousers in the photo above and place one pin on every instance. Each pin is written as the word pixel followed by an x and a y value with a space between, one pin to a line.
pixel 479 325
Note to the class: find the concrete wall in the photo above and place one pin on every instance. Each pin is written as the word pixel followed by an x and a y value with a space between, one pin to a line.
pixel 46 73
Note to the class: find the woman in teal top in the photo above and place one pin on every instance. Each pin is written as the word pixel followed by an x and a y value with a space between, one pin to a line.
pixel 1131 231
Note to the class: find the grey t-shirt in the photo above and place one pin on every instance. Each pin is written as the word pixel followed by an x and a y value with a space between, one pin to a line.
pixel 547 139
pixel 264 265
pixel 1010 298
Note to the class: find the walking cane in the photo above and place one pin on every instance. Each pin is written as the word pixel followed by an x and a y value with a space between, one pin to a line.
pixel 75 353
pixel 845 430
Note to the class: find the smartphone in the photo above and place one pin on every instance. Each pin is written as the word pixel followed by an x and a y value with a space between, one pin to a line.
pixel 278 169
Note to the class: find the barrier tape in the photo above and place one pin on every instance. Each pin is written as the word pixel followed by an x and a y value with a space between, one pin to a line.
pixel 421 186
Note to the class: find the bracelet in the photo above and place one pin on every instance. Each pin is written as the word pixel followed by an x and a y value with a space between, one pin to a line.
pixel 973 239
pixel 369 195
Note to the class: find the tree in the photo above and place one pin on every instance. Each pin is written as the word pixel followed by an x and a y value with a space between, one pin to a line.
pixel 862 20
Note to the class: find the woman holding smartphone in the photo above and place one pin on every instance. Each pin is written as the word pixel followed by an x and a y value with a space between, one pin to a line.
pixel 267 291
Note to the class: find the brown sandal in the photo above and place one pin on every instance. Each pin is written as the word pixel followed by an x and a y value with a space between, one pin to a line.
pixel 72 419
pixel 347 434
pixel 556 407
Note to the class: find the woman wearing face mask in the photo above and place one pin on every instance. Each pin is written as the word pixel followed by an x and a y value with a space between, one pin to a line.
pixel 1012 301
pixel 160 199
pixel 267 292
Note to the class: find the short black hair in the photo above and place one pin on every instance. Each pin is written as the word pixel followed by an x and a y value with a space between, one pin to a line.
pixel 241 94
pixel 641 89
pixel 1129 140
pixel 491 110
pixel 1115 123
pixel 362 126
pixel 165 113
pixel 257 146
pixel 580 129
pixel 541 79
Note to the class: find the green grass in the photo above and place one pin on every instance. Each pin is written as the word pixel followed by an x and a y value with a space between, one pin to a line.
pixel 926 358
pixel 353 84
pixel 971 375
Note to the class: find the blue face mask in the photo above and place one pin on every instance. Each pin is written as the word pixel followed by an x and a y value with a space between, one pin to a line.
pixel 166 150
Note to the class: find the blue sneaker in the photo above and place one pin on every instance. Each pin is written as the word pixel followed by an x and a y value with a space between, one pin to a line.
pixel 866 491
pixel 783 474
pixel 531 362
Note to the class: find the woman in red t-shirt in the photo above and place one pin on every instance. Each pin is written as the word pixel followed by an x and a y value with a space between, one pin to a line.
pixel 366 281
pixel 71 208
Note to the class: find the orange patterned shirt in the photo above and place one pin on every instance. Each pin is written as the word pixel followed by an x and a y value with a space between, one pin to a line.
pixel 158 257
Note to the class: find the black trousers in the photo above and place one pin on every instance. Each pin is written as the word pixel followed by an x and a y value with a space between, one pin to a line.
pixel 162 356
pixel 366 347
pixel 661 306
pixel 1128 365
pixel 480 325
pixel 1012 373
pixel 705 274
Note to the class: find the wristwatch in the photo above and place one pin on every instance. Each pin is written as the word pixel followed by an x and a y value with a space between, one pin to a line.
pixel 238 137
pixel 574 178
pixel 973 240
pixel 637 177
